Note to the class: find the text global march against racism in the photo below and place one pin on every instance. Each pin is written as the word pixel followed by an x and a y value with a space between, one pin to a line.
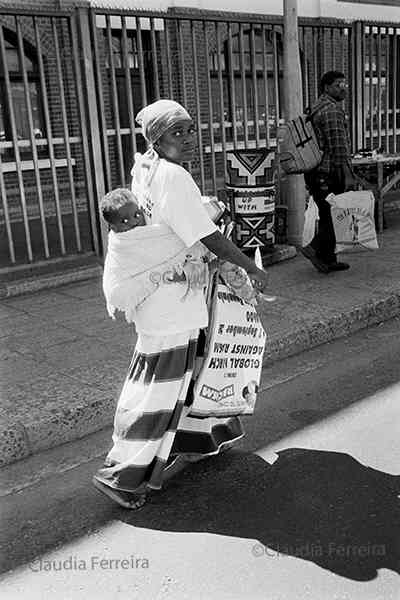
pixel 229 380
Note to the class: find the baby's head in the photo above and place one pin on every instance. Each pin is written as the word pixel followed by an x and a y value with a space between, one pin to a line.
pixel 121 211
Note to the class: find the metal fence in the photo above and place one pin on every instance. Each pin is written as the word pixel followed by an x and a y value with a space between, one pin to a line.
pixel 376 106
pixel 71 85
pixel 227 72
pixel 48 206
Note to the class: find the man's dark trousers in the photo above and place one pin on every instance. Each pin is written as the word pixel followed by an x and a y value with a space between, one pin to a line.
pixel 324 241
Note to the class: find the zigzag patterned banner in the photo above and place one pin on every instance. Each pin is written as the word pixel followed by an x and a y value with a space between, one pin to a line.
pixel 250 167
pixel 251 189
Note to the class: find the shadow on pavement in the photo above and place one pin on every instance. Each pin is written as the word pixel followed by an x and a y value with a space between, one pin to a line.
pixel 324 507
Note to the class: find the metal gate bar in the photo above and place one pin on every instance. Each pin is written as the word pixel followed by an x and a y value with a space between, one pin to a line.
pixel 66 136
pixel 140 57
pixel 84 135
pixel 265 77
pixel 371 89
pixel 168 55
pixel 210 110
pixel 100 100
pixel 49 135
pixel 232 88
pixel 129 97
pixel 254 80
pixel 243 117
pixel 32 139
pixel 115 104
pixel 361 85
pixel 3 192
pixel 396 32
pixel 223 123
pixel 276 78
pixel 197 100
pixel 154 60
pixel 379 75
pixel 181 54
pixel 14 136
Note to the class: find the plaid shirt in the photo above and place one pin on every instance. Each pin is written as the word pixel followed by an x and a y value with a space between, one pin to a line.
pixel 330 125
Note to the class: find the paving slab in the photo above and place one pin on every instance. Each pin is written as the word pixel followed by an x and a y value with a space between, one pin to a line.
pixel 63 360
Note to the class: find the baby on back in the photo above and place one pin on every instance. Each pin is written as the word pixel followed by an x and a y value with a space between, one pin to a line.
pixel 140 258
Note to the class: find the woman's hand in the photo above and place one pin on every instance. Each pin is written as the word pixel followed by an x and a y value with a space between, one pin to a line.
pixel 259 279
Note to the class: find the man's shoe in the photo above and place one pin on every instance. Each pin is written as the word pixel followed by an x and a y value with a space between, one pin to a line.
pixel 339 266
pixel 309 252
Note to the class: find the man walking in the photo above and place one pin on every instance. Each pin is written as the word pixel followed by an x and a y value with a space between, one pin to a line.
pixel 334 173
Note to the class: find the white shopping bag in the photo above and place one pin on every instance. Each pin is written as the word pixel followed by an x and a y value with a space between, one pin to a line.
pixel 353 220
pixel 311 217
pixel 228 381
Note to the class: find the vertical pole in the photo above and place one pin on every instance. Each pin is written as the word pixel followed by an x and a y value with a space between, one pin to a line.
pixel 49 135
pixel 379 88
pixel 244 119
pixel 232 87
pixel 371 89
pixel 14 135
pixel 93 121
pixel 293 194
pixel 34 151
pixel 394 94
pixel 387 86
pixel 198 102
pixel 154 58
pixel 358 86
pixel 114 89
pixel 266 94
pixel 221 98
pixel 210 110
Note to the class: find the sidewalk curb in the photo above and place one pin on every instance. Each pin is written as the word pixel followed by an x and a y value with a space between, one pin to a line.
pixel 35 284
pixel 314 333
pixel 17 440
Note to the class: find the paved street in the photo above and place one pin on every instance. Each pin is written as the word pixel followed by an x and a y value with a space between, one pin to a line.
pixel 309 525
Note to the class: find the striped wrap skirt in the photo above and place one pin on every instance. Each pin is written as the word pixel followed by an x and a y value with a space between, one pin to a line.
pixel 152 421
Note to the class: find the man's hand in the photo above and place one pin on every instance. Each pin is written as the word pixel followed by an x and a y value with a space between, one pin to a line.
pixel 350 180
pixel 350 184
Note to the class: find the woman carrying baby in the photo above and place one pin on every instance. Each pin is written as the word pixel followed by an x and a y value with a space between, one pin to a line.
pixel 152 426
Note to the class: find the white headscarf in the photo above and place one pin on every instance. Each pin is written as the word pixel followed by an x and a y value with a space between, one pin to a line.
pixel 159 116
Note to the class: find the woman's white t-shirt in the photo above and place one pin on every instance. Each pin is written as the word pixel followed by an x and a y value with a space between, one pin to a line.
pixel 175 201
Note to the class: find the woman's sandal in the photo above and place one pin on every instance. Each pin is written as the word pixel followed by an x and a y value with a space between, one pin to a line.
pixel 128 500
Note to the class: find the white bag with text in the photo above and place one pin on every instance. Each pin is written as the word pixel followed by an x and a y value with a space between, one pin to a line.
pixel 353 220
pixel 228 381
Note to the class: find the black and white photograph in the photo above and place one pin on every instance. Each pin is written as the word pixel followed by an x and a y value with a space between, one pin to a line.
pixel 213 413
